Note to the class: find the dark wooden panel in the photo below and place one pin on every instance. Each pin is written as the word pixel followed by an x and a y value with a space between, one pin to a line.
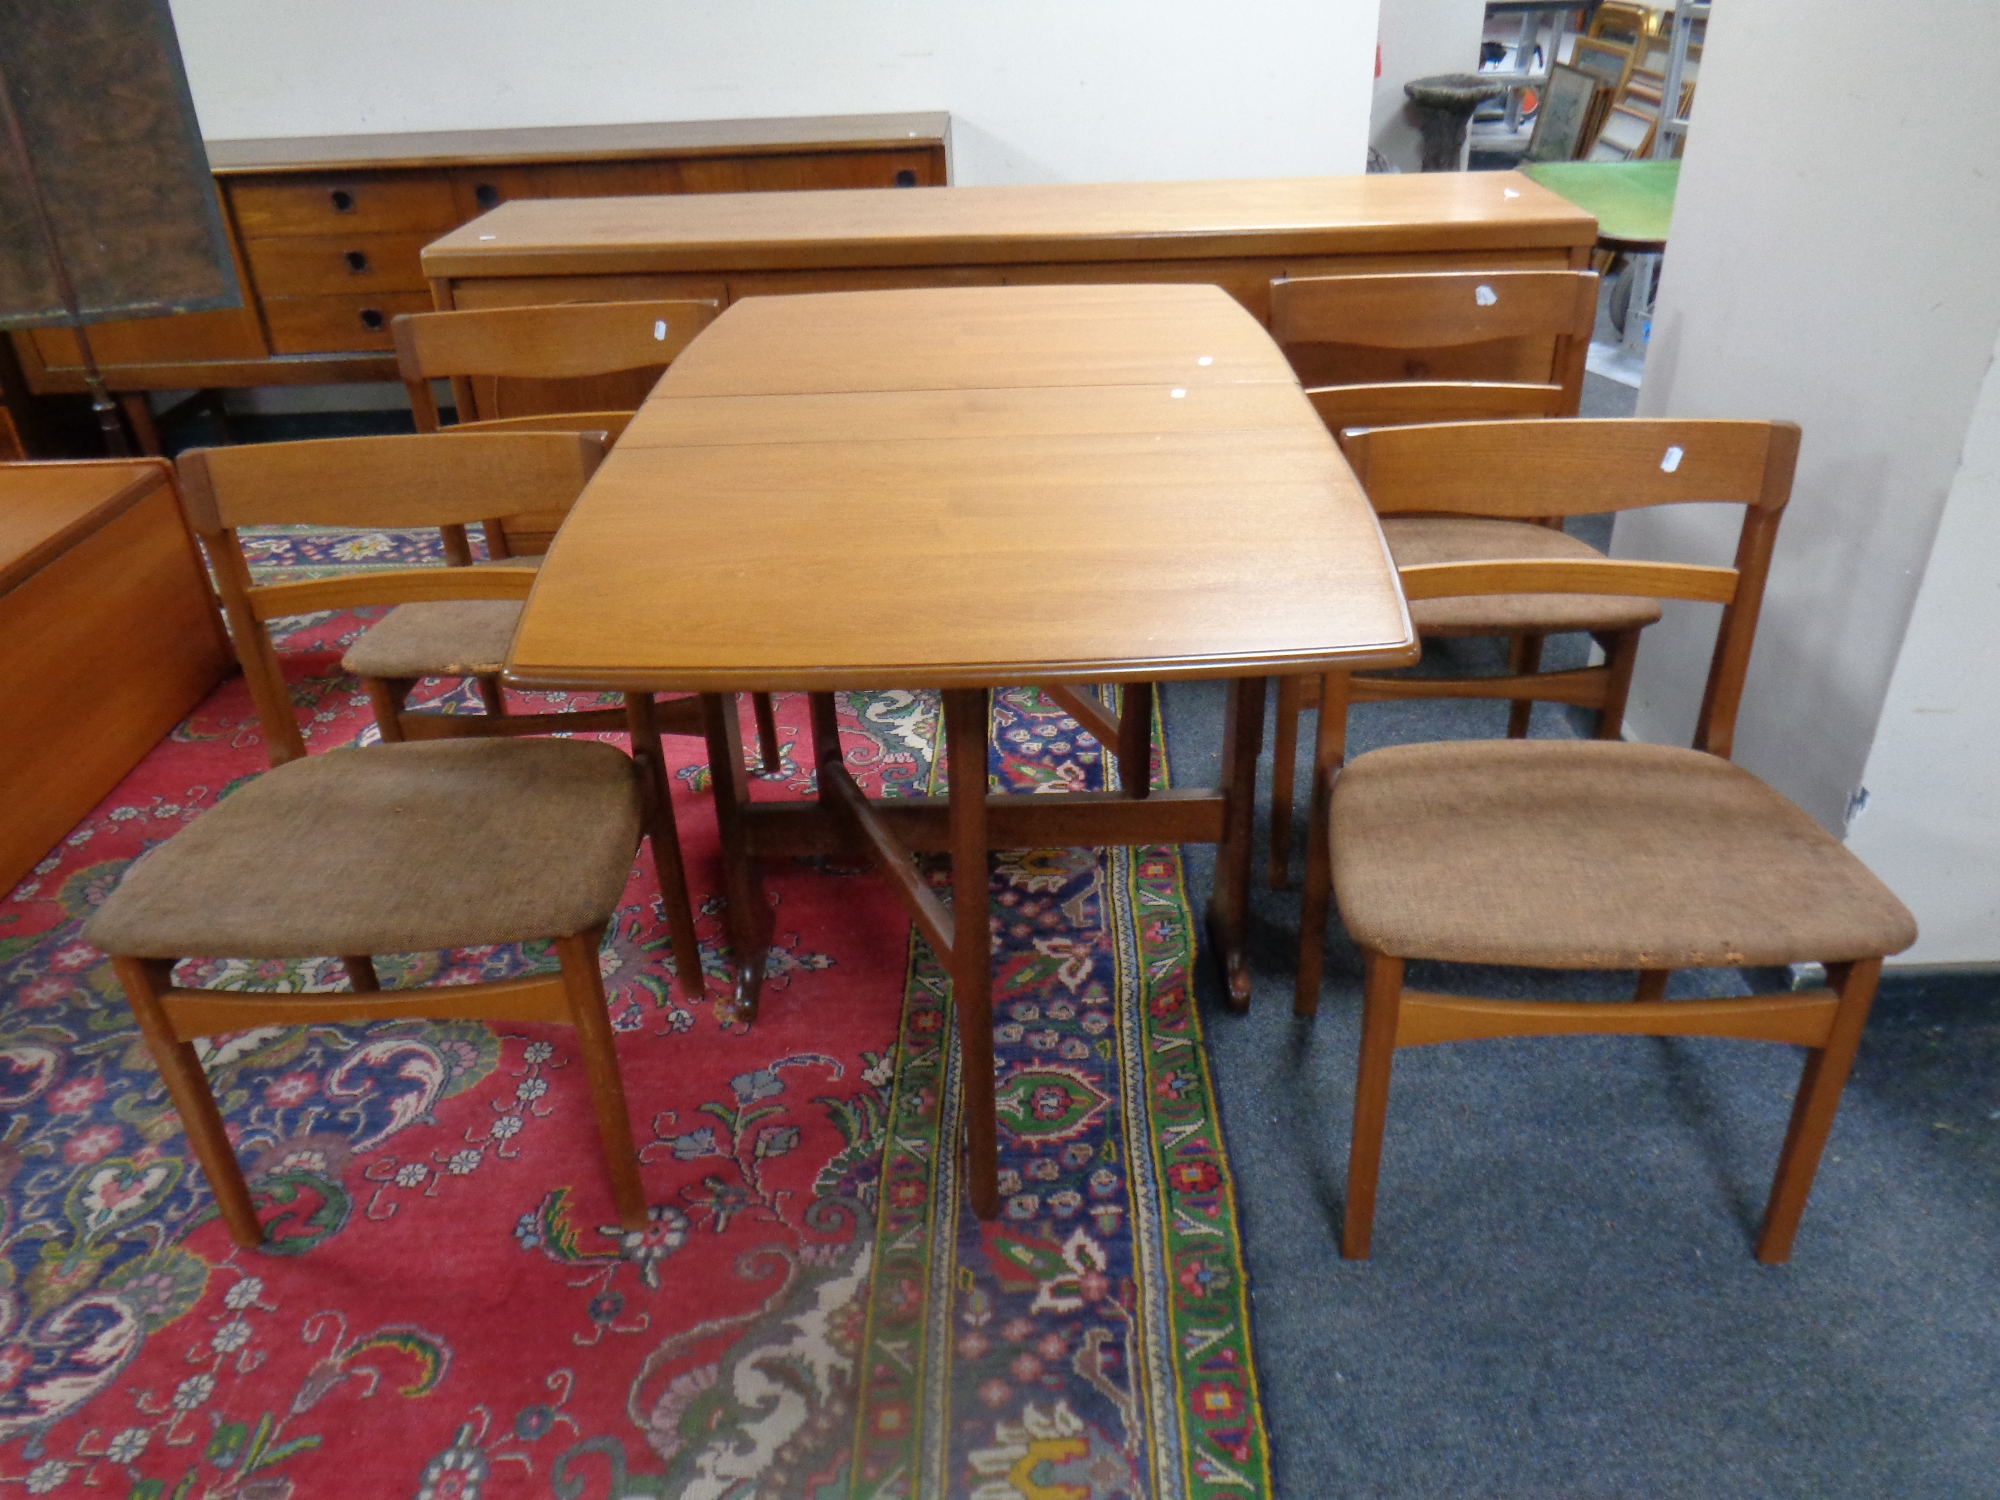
pixel 114 158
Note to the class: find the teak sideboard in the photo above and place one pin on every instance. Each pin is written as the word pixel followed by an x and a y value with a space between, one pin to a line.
pixel 326 230
pixel 1239 235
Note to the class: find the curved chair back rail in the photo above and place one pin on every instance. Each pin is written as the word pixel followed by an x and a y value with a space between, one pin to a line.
pixel 1483 483
pixel 568 361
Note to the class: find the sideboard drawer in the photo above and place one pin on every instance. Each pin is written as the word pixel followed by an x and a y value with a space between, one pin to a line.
pixel 352 203
pixel 338 325
pixel 315 265
pixel 819 169
pixel 489 187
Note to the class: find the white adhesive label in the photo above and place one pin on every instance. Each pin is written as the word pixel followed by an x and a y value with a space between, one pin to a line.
pixel 1177 394
pixel 489 236
pixel 1206 359
pixel 660 330
pixel 1509 192
pixel 1671 460
pixel 1484 295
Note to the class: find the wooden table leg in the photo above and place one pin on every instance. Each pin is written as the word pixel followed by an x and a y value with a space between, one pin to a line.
pixel 965 721
pixel 825 713
pixel 1229 906
pixel 1135 739
pixel 749 916
pixel 663 835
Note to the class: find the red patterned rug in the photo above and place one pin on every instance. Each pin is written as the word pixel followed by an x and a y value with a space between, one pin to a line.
pixel 446 1307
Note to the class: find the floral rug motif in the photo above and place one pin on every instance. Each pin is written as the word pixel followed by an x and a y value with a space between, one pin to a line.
pixel 445 1306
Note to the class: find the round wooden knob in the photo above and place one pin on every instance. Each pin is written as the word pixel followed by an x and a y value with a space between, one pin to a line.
pixel 371 319
pixel 343 201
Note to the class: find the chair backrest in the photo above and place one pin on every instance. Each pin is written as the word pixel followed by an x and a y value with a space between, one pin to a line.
pixel 365 483
pixel 1434 346
pixel 530 361
pixel 1575 467
pixel 573 366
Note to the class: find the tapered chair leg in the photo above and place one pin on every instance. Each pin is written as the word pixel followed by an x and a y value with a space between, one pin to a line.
pixel 1312 922
pixel 767 733
pixel 145 981
pixel 1329 753
pixel 1524 655
pixel 1284 758
pixel 1381 999
pixel 585 987
pixel 1813 1107
pixel 385 696
pixel 1621 654
pixel 492 694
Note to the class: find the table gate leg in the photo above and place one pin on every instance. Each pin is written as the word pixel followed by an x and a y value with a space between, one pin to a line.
pixel 965 719
pixel 1229 906
pixel 749 916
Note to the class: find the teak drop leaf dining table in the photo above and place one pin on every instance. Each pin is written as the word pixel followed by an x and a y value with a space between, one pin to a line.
pixel 864 490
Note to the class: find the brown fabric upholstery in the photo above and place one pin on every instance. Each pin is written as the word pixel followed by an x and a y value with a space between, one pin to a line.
pixel 392 849
pixel 440 638
pixel 1414 540
pixel 1594 855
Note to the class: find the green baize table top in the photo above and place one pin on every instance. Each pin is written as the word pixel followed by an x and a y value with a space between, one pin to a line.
pixel 1633 200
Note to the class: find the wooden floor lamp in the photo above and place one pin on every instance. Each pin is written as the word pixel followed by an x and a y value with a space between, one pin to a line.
pixel 107 206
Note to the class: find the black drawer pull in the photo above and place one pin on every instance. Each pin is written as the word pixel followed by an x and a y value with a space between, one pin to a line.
pixel 486 194
pixel 357 261
pixel 906 178
pixel 371 319
pixel 343 201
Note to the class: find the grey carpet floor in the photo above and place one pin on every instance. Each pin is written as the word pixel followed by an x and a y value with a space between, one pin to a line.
pixel 1562 1299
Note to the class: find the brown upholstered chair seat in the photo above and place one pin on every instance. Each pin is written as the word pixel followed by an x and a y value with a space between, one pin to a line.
pixel 393 849
pixel 1415 540
pixel 438 638
pixel 1594 855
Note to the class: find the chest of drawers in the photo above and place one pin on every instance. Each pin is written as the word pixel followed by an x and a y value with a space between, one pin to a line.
pixel 326 231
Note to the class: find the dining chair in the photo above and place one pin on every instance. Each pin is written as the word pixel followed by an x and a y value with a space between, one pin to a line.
pixel 1590 854
pixel 547 369
pixel 390 849
pixel 1446 346
pixel 454 622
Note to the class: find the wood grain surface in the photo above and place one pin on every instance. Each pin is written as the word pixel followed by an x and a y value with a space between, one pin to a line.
pixel 947 540
pixel 108 637
pixel 1069 222
pixel 444 148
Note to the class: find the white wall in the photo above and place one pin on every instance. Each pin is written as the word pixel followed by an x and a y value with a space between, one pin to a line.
pixel 1040 90
pixel 1931 827
pixel 1419 38
pixel 1835 259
